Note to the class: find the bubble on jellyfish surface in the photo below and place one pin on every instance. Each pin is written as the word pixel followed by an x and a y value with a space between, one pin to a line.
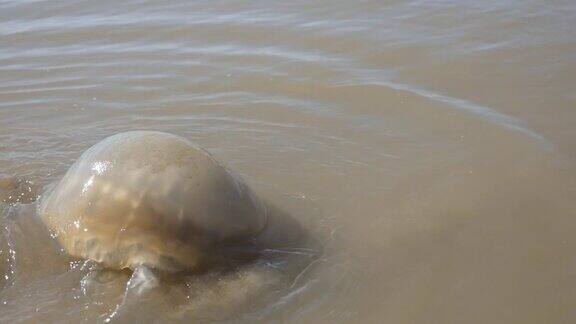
pixel 151 199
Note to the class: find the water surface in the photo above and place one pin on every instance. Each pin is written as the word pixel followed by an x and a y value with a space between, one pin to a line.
pixel 428 146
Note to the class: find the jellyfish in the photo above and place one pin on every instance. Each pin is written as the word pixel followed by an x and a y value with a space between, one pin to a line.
pixel 153 199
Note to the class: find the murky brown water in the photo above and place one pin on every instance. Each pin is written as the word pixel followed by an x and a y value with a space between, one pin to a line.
pixel 426 146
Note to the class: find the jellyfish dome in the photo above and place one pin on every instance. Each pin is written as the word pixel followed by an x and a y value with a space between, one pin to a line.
pixel 149 198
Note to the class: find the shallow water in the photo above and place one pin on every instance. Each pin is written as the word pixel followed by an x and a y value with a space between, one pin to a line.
pixel 427 147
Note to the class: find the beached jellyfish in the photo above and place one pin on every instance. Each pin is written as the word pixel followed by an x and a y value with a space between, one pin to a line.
pixel 149 199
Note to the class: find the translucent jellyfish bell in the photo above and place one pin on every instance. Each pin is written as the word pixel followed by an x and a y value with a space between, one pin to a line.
pixel 149 198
